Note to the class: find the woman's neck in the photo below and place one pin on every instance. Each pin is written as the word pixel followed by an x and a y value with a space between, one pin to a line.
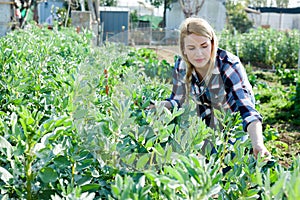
pixel 201 73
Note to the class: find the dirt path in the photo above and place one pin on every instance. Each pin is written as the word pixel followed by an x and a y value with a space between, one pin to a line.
pixel 165 52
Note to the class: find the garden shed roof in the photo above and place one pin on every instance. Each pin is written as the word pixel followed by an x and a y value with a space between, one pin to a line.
pixel 277 10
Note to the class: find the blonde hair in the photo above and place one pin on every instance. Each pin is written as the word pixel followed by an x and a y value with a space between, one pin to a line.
pixel 201 27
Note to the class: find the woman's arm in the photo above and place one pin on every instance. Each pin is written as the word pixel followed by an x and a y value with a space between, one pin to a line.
pixel 255 131
pixel 177 96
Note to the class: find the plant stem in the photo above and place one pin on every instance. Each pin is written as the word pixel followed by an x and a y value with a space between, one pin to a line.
pixel 73 173
pixel 28 170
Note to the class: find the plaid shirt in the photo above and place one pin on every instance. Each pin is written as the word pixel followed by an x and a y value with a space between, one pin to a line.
pixel 228 88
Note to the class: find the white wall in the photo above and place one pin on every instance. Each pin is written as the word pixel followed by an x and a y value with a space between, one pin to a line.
pixel 6 13
pixel 213 11
pixel 143 8
pixel 276 20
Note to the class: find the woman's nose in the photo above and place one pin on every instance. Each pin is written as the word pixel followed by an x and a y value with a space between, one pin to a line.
pixel 198 51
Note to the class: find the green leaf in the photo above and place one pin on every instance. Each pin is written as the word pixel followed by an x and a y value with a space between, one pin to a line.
pixel 215 190
pixel 258 176
pixel 5 175
pixel 95 173
pixel 150 142
pixel 86 163
pixel 142 181
pixel 90 187
pixel 63 120
pixel 178 112
pixel 14 126
pixel 47 126
pixel 252 193
pixel 119 181
pixel 168 153
pixel 61 162
pixel 129 159
pixel 217 178
pixel 278 186
pixel 173 172
pixel 48 174
pixel 4 144
pixel 142 161
pixel 159 149
pixel 115 190
pixel 30 120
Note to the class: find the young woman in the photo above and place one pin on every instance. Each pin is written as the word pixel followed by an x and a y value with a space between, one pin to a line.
pixel 215 79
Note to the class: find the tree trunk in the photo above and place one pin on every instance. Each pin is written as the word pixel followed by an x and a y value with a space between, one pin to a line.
pixel 82 5
pixel 191 7
pixel 91 8
pixel 165 13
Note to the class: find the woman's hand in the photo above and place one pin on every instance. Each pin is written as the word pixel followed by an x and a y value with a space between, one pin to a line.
pixel 260 148
pixel 255 131
pixel 166 104
pixel 150 107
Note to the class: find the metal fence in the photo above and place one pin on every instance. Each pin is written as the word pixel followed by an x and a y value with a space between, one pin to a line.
pixel 144 36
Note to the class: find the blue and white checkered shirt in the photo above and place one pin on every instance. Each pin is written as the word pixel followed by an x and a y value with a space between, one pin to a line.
pixel 228 88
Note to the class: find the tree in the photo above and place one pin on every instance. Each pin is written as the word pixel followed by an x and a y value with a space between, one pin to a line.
pixel 191 7
pixel 134 19
pixel 108 2
pixel 266 3
pixel 282 3
pixel 237 18
pixel 166 5
pixel 256 3
pixel 85 4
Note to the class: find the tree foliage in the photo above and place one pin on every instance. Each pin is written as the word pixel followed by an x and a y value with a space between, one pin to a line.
pixel 267 3
pixel 166 5
pixel 108 2
pixel 237 18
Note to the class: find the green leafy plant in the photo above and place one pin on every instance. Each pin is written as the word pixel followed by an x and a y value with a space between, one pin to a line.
pixel 73 125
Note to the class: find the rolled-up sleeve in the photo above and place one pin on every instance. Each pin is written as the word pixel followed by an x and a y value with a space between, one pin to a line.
pixel 177 96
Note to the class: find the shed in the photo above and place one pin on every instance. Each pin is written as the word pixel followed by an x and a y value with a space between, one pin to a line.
pixel 115 24
pixel 6 13
pixel 277 18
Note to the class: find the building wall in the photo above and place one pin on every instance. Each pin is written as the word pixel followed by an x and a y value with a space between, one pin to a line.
pixel 213 11
pixel 5 16
pixel 143 7
pixel 115 24
pixel 277 18
pixel 278 21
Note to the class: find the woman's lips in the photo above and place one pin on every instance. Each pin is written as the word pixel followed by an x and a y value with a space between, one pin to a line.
pixel 199 60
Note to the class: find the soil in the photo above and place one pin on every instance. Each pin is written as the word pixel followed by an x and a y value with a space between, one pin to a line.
pixel 166 52
pixel 287 146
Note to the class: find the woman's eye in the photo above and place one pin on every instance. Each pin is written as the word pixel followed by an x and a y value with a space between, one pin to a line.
pixel 205 46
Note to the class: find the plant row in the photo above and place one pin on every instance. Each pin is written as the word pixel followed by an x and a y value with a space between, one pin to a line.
pixel 264 47
pixel 73 125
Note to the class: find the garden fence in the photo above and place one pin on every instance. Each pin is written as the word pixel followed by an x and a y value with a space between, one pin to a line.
pixel 144 36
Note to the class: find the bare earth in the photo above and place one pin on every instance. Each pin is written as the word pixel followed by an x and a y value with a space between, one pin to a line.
pixel 166 52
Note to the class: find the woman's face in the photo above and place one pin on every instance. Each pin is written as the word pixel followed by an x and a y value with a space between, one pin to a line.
pixel 198 51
